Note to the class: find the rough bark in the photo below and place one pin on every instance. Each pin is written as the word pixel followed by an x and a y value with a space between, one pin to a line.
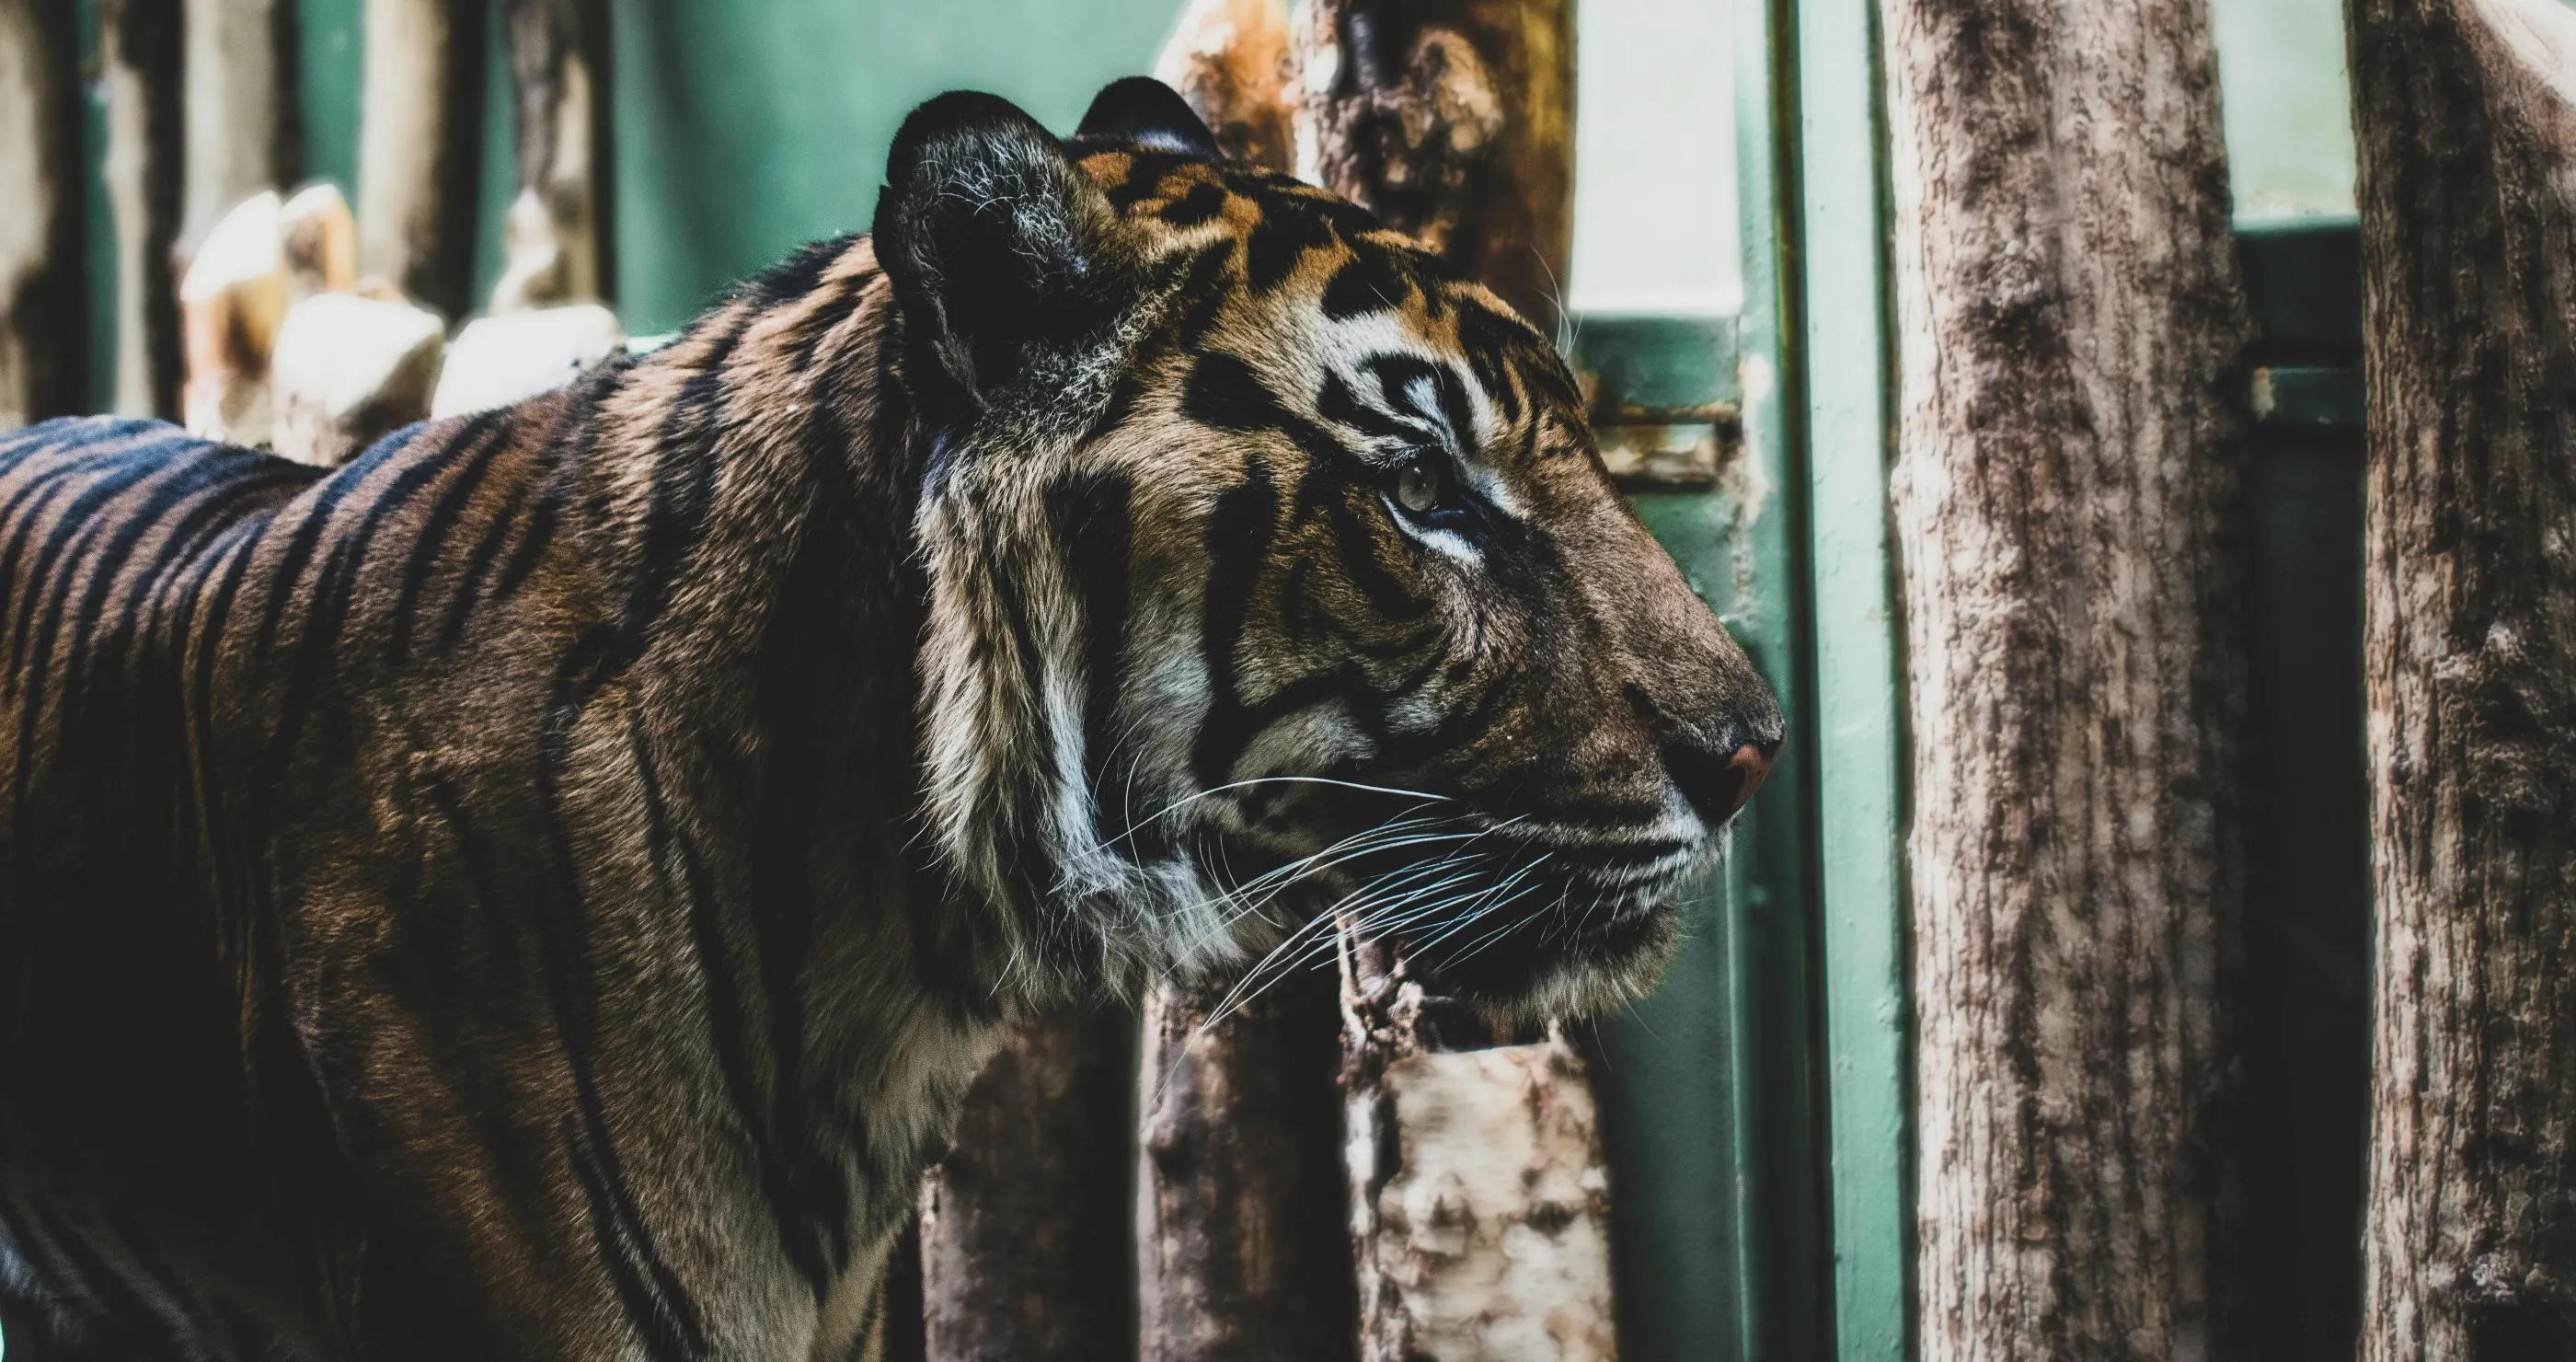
pixel 2467 121
pixel 43 306
pixel 241 130
pixel 2071 337
pixel 1229 59
pixel 1241 1247
pixel 139 52
pixel 1024 1227
pixel 1479 1201
pixel 1453 120
pixel 556 240
pixel 419 138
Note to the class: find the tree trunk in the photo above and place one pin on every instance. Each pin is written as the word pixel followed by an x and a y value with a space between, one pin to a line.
pixel 240 108
pixel 44 315
pixel 1229 59
pixel 419 146
pixel 2071 336
pixel 139 52
pixel 1024 1227
pixel 1241 1248
pixel 1453 120
pixel 2467 121
pixel 556 249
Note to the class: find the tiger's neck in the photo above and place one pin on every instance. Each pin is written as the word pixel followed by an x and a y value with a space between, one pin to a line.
pixel 749 508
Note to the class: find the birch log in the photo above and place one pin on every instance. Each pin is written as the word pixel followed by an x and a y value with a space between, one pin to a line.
pixel 2466 111
pixel 348 371
pixel 1452 120
pixel 419 138
pixel 44 331
pixel 556 249
pixel 1024 1250
pixel 2071 334
pixel 240 136
pixel 1479 1200
pixel 140 57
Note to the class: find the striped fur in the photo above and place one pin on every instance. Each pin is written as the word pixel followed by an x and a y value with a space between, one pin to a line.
pixel 541 889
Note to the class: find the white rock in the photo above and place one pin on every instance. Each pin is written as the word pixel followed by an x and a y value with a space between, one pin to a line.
pixel 349 370
pixel 496 361
pixel 318 239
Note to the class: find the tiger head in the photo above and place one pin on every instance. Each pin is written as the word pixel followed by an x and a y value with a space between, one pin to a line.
pixel 1276 580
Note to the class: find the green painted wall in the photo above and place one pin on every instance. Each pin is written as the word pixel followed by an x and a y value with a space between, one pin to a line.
pixel 746 130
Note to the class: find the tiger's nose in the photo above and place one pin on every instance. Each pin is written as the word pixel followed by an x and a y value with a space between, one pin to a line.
pixel 1717 781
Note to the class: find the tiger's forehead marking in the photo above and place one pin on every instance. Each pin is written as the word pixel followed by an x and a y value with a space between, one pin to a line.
pixel 1262 258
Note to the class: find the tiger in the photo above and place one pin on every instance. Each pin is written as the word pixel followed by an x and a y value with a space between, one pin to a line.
pixel 542 888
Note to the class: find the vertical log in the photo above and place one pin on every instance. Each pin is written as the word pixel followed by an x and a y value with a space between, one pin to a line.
pixel 139 51
pixel 240 125
pixel 1453 120
pixel 2466 111
pixel 557 229
pixel 2071 331
pixel 1241 1248
pixel 419 139
pixel 1024 1247
pixel 1229 59
pixel 44 314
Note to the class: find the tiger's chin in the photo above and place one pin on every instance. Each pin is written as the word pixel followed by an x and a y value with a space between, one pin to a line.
pixel 1556 970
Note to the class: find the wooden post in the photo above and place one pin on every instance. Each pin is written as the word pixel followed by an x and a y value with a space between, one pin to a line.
pixel 2466 111
pixel 1241 1248
pixel 44 317
pixel 420 120
pixel 1024 1248
pixel 2071 332
pixel 1479 1199
pixel 139 52
pixel 1229 59
pixel 556 251
pixel 240 123
pixel 1452 120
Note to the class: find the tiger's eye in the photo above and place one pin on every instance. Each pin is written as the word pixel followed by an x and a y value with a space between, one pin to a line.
pixel 1417 486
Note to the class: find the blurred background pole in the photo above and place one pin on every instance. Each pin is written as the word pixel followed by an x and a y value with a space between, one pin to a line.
pixel 2067 498
pixel 44 303
pixel 1452 120
pixel 419 147
pixel 2466 115
pixel 139 55
pixel 238 89
pixel 557 248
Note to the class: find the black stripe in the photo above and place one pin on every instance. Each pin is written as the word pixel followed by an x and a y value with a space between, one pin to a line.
pixel 1238 542
pixel 487 435
pixel 1369 282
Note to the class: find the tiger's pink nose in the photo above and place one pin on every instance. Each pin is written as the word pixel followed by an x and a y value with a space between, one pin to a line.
pixel 1750 765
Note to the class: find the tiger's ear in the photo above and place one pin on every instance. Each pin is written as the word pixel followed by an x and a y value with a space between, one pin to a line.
pixel 1008 261
pixel 1148 113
